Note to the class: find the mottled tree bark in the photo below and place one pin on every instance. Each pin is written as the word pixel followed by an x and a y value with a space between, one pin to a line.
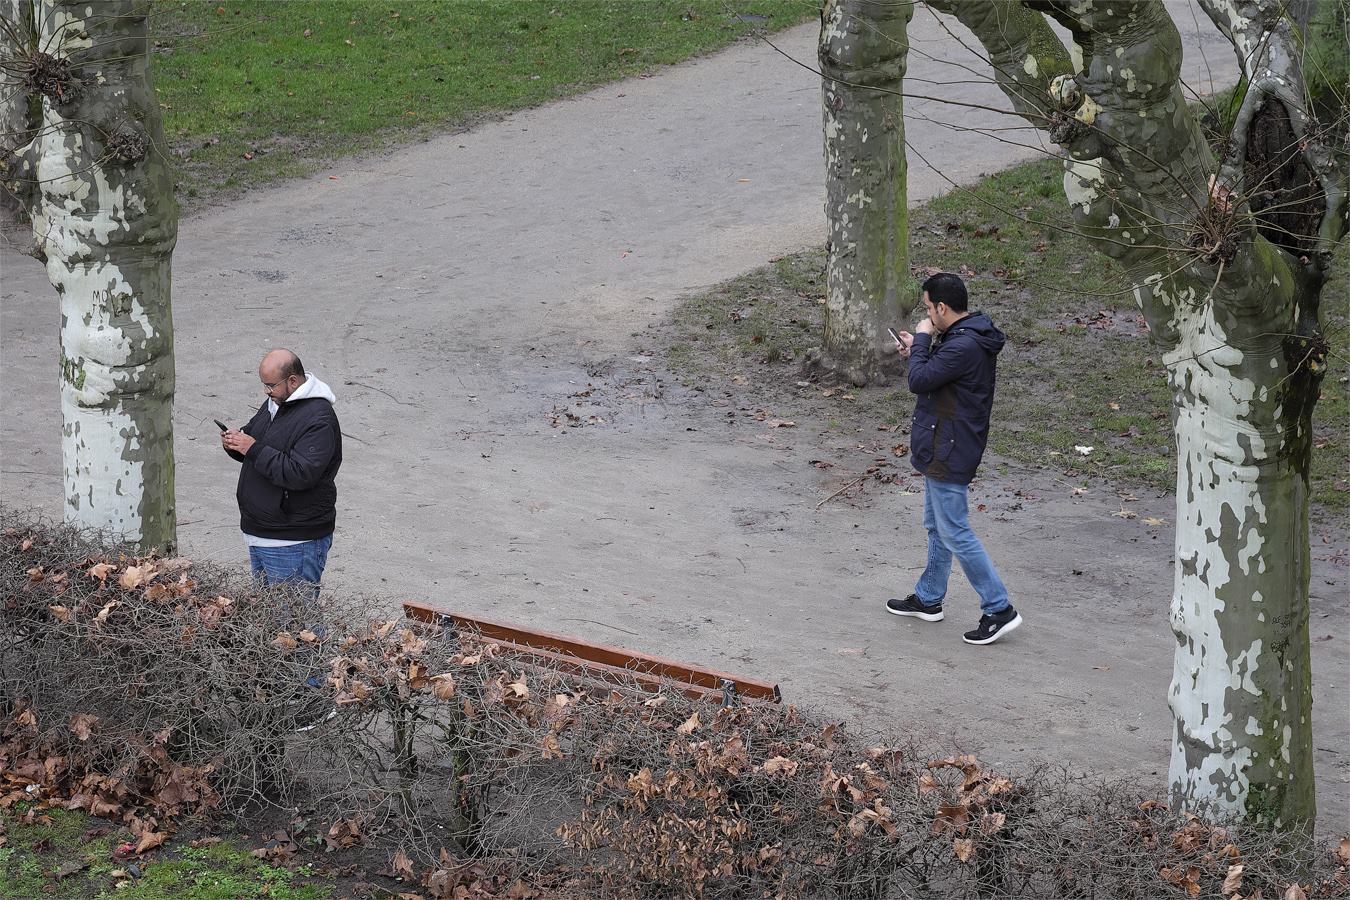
pixel 86 158
pixel 863 50
pixel 1227 259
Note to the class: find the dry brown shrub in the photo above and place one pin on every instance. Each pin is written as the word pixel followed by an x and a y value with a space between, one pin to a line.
pixel 141 688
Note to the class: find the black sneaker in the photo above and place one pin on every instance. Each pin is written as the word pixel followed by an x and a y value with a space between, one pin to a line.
pixel 314 713
pixel 994 627
pixel 913 606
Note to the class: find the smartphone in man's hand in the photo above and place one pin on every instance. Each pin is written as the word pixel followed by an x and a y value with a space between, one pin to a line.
pixel 224 427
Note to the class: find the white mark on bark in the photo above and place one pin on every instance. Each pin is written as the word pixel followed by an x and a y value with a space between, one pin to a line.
pixel 1083 183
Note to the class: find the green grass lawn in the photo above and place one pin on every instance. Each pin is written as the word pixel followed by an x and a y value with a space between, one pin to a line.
pixel 253 91
pixel 69 856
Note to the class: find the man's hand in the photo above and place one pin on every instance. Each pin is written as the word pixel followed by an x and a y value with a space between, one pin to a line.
pixel 906 341
pixel 926 327
pixel 236 440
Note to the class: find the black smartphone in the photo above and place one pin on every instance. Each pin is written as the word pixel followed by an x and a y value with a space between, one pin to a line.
pixel 223 426
pixel 894 336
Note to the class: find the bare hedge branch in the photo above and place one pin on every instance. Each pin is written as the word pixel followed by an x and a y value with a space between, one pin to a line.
pixel 142 689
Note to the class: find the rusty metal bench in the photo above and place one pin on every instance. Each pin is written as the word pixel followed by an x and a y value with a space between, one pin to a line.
pixel 613 665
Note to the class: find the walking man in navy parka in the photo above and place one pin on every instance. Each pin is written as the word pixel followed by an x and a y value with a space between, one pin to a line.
pixel 951 370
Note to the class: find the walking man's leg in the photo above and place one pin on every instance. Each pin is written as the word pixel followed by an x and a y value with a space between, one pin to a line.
pixel 926 601
pixel 932 584
pixel 951 513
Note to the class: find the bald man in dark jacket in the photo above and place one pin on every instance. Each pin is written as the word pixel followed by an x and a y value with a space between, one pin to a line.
pixel 291 451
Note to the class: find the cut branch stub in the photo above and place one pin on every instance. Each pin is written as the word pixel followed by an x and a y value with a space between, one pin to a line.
pixel 51 77
pixel 128 145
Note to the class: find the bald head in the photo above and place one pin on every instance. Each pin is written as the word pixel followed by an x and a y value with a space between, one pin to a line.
pixel 281 374
pixel 285 362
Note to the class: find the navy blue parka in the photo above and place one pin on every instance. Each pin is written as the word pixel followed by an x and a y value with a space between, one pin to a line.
pixel 954 381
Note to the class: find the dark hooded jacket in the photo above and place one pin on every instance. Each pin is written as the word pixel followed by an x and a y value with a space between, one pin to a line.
pixel 954 381
pixel 287 488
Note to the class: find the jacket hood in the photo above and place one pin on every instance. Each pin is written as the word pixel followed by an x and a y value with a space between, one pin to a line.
pixel 982 329
pixel 312 388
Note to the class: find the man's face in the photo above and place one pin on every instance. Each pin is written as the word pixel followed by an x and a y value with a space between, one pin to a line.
pixel 276 385
pixel 937 314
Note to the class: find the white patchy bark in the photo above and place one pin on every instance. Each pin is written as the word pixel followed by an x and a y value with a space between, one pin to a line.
pixel 1230 290
pixel 1241 691
pixel 863 49
pixel 90 169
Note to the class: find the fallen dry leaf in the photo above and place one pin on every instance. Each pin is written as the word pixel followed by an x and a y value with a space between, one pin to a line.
pixel 135 576
pixel 442 686
pixel 102 616
pixel 71 868
pixel 101 571
pixel 81 723
pixel 150 840
pixel 690 725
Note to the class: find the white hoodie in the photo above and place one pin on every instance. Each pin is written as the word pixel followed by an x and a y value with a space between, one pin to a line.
pixel 312 387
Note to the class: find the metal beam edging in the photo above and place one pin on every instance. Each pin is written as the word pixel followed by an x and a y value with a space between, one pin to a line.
pixel 603 660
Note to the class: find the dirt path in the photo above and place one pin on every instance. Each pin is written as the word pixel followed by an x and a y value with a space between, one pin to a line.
pixel 458 294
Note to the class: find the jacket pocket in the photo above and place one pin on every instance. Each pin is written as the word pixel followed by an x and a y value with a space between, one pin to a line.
pixel 312 506
pixel 944 440
pixel 262 502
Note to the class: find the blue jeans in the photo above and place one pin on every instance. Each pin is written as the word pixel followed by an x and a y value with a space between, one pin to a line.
pixel 300 565
pixel 944 515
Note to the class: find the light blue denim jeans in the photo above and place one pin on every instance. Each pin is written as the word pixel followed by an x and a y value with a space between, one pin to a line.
pixel 945 517
pixel 297 564
pixel 300 565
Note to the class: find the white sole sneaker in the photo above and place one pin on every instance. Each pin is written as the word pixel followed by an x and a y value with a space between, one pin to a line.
pixel 1000 631
pixel 935 616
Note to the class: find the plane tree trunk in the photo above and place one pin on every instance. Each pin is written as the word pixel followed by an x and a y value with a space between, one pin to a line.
pixel 1227 256
pixel 863 49
pixel 84 154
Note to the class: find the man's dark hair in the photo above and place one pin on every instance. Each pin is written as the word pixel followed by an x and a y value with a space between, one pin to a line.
pixel 293 366
pixel 944 287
